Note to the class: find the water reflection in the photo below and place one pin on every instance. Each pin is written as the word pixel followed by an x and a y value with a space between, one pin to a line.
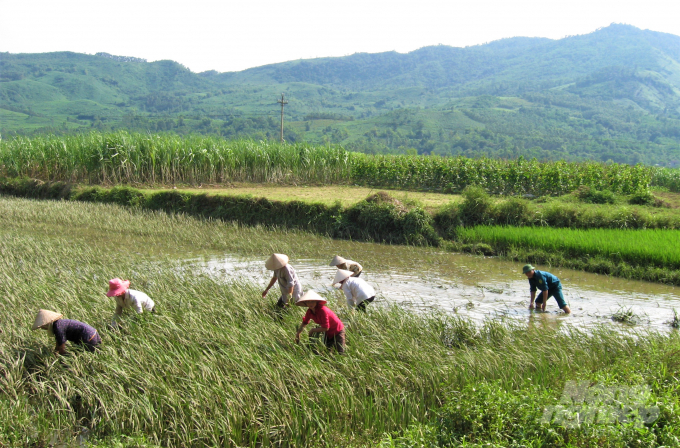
pixel 480 288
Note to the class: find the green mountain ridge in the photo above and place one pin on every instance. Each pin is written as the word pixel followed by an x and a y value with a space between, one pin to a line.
pixel 613 94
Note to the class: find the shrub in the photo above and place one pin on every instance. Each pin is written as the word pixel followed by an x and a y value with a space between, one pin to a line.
pixel 447 220
pixel 380 217
pixel 477 207
pixel 479 249
pixel 644 197
pixel 593 196
pixel 513 212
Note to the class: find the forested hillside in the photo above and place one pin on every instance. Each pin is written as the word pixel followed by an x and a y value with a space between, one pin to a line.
pixel 610 95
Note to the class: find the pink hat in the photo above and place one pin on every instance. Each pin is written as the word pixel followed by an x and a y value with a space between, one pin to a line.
pixel 117 287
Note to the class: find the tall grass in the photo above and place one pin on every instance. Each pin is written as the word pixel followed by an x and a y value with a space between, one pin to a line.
pixel 656 247
pixel 137 158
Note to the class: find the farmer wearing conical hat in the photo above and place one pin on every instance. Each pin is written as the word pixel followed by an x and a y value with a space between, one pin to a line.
pixel 284 273
pixel 330 326
pixel 347 265
pixel 548 285
pixel 357 291
pixel 66 330
pixel 128 298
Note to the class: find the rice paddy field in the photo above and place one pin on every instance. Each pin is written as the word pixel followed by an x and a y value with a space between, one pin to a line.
pixel 644 247
pixel 217 365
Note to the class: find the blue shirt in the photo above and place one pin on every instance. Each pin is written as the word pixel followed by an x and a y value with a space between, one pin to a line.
pixel 544 281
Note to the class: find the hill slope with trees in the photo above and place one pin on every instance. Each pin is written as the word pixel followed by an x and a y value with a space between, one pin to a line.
pixel 613 94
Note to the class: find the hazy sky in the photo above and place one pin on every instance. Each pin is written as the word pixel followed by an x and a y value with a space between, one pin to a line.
pixel 232 35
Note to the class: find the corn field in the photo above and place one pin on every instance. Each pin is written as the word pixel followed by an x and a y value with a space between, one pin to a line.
pixel 667 177
pixel 136 158
pixel 125 158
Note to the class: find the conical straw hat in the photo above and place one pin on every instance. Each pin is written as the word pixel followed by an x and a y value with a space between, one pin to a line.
pixel 337 260
pixel 341 275
pixel 276 261
pixel 310 296
pixel 45 317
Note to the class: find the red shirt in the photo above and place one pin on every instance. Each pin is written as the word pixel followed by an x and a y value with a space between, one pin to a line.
pixel 326 319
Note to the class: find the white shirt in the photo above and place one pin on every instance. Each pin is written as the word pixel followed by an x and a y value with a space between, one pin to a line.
pixel 135 299
pixel 357 290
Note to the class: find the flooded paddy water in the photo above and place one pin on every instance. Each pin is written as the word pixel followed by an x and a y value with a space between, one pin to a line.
pixel 477 287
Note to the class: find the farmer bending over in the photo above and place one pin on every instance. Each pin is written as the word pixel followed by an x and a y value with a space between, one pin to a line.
pixel 288 280
pixel 330 326
pixel 357 291
pixel 548 284
pixel 347 265
pixel 129 298
pixel 66 330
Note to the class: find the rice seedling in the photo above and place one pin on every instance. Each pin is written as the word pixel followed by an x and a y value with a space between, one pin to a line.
pixel 645 247
pixel 625 315
pixel 675 322
pixel 218 367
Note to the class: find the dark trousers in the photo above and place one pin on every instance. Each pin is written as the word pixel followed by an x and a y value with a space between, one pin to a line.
pixel 337 341
pixel 362 305
pixel 556 293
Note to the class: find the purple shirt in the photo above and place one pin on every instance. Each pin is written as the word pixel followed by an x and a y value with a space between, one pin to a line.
pixel 73 331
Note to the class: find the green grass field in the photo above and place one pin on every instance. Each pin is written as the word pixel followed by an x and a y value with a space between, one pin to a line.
pixel 218 367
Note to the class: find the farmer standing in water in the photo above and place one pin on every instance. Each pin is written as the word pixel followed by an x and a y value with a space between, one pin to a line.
pixel 548 285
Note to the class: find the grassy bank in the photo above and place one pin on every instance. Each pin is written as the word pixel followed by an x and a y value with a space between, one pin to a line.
pixel 218 367
pixel 347 195
pixel 123 158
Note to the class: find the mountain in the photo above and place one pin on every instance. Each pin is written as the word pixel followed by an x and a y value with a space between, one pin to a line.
pixel 521 63
pixel 613 94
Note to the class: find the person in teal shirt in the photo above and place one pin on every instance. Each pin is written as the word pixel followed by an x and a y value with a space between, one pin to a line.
pixel 548 284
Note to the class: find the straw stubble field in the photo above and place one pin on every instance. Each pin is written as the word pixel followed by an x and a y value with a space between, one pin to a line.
pixel 218 366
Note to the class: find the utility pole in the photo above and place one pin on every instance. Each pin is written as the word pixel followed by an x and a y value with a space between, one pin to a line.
pixel 282 102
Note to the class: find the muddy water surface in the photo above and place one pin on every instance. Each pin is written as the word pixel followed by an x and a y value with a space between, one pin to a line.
pixel 477 287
